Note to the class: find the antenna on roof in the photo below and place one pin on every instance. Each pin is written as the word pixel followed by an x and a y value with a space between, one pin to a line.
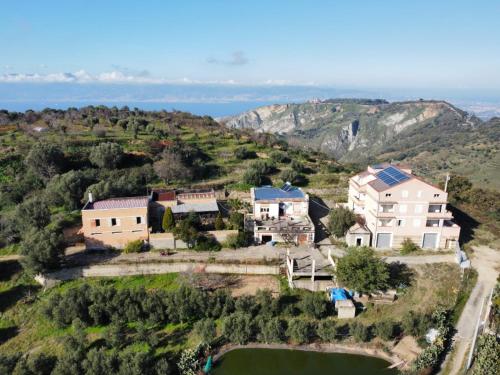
pixel 91 198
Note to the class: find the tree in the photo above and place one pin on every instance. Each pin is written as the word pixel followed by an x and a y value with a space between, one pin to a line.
pixel 297 166
pixel 253 177
pixel 236 220
pixel 415 324
pixel 68 189
pixel 116 334
pixel 171 167
pixel 168 222
pixel 188 228
pixel 45 160
pixel 362 271
pixel 359 331
pixel 35 364
pixel 219 222
pixel 205 329
pixel 242 153
pixel 314 305
pixel 279 157
pixel 106 155
pixel 33 213
pixel 300 331
pixel 340 220
pixel 43 251
pixel 238 327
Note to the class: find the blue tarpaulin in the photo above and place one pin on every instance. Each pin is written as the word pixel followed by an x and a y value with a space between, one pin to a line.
pixel 338 294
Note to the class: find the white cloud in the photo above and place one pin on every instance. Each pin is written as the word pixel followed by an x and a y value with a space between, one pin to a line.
pixel 237 58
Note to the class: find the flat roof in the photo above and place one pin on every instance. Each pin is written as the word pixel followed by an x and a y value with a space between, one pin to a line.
pixel 286 192
pixel 113 203
pixel 196 207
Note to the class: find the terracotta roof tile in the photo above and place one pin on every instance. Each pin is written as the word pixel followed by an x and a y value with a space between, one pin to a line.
pixel 107 204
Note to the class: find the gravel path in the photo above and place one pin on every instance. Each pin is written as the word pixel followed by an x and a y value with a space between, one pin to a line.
pixel 487 263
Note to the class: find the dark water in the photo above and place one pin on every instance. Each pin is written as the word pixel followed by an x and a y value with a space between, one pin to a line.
pixel 295 362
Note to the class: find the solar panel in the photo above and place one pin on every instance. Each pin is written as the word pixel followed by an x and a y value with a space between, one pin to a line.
pixel 392 176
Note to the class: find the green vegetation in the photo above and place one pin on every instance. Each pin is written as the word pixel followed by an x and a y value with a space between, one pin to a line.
pixel 135 246
pixel 361 270
pixel 340 220
pixel 168 222
pixel 408 247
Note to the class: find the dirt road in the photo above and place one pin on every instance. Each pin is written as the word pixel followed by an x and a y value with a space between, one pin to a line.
pixel 487 263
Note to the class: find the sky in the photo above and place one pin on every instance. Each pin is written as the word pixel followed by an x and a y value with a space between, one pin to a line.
pixel 390 44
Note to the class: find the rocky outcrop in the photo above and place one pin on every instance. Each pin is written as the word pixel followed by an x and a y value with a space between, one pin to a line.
pixel 347 128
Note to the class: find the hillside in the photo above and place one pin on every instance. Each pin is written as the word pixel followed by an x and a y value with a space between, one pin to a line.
pixel 433 136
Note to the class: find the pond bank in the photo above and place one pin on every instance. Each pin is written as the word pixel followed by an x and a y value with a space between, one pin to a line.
pixel 321 348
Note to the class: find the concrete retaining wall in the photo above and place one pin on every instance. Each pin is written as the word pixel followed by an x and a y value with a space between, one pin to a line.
pixel 110 270
pixel 167 240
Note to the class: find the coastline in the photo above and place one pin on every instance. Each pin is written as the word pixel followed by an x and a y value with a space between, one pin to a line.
pixel 315 347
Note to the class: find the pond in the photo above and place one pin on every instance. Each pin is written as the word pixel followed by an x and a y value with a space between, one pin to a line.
pixel 296 362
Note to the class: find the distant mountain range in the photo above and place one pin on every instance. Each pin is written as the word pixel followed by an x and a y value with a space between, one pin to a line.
pixel 433 136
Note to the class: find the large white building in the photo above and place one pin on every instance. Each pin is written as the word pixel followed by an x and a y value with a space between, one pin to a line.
pixel 394 205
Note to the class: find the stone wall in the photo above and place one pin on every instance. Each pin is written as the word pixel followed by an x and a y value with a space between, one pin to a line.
pixel 167 240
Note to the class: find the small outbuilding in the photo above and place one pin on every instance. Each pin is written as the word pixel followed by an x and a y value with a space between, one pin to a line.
pixel 358 235
pixel 345 309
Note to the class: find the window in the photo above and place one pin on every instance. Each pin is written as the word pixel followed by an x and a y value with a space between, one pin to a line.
pixel 138 220
pixel 432 223
pixel 434 208
pixel 264 209
pixel 404 193
pixel 400 223
pixel 387 208
pixel 388 194
pixel 416 223
pixel 402 208
pixel 436 195
pixel 418 209
pixel 97 222
pixel 113 222
pixel 419 194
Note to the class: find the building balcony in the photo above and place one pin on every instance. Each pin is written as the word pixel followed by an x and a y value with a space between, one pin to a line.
pixel 440 215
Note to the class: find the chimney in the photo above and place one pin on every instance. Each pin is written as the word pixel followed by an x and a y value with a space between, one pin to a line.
pixel 91 198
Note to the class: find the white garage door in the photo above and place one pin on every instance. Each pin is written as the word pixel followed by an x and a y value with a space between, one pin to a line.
pixel 383 240
pixel 430 241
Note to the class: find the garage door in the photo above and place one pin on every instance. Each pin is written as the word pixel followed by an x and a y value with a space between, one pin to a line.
pixel 383 240
pixel 430 241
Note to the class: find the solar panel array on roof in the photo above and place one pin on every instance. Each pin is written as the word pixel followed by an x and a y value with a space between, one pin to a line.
pixel 392 176
pixel 269 192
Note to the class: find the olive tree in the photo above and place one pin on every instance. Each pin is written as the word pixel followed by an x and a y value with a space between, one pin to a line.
pixel 43 250
pixel 361 270
pixel 106 155
pixel 340 220
pixel 45 160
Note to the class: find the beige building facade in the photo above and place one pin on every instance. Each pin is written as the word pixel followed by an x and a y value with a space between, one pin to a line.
pixel 395 205
pixel 115 222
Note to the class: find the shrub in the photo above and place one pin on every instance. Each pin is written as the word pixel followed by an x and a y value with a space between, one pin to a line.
pixel 327 330
pixel 314 305
pixel 297 166
pixel 242 153
pixel 408 246
pixel 415 324
pixel 359 331
pixel 235 241
pixel 270 330
pixel 289 175
pixel 340 220
pixel 385 329
pixel 219 222
pixel 279 157
pixel 133 247
pixel 206 243
pixel 300 331
pixel 253 177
